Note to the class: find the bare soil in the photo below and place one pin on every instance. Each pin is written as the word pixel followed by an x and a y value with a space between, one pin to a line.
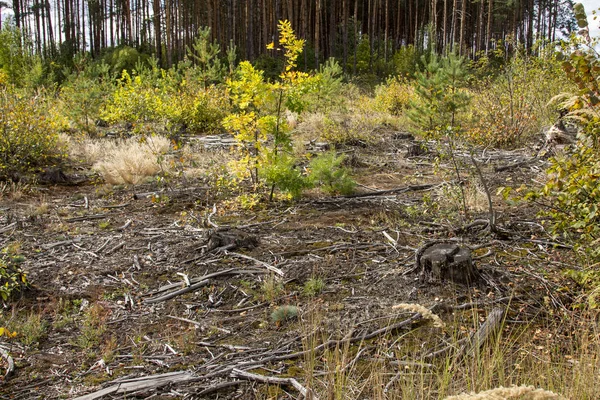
pixel 96 257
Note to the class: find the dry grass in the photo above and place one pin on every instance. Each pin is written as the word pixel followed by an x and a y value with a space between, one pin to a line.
pixel 197 161
pixel 129 161
pixel 475 198
pixel 14 190
pixel 514 392
pixel 522 362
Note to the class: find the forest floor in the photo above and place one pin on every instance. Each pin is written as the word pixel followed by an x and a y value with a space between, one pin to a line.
pixel 101 258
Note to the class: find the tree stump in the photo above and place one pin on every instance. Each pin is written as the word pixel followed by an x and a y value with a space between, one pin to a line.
pixel 230 240
pixel 447 262
pixel 416 149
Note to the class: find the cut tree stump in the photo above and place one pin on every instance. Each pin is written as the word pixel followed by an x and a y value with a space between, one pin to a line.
pixel 231 240
pixel 447 262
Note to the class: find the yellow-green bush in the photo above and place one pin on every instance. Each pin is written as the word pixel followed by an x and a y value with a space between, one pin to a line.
pixel 393 96
pixel 29 137
pixel 512 107
pixel 166 97
pixel 135 100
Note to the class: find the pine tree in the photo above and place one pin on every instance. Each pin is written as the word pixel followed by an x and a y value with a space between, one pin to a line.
pixel 439 96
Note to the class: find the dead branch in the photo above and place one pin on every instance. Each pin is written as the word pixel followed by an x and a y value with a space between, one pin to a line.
pixel 410 188
pixel 8 227
pixel 469 345
pixel 307 393
pixel 514 165
pixel 61 243
pixel 86 218
pixel 115 248
pixel 490 327
pixel 488 195
pixel 216 388
pixel 124 226
pixel 262 263
pixel 141 383
pixel 194 284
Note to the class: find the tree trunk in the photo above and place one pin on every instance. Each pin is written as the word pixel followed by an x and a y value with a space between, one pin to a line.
pixel 463 26
pixel 488 35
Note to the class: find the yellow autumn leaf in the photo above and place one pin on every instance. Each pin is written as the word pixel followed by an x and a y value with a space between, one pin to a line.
pixel 271 46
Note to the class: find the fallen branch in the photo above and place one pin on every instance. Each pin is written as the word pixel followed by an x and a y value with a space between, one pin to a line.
pixel 124 226
pixel 307 393
pixel 469 345
pixel 194 284
pixel 264 264
pixel 141 383
pixel 410 188
pixel 61 243
pixel 86 218
pixel 515 165
pixel 8 227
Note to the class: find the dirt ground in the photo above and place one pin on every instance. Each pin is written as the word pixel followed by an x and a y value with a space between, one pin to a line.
pixel 97 258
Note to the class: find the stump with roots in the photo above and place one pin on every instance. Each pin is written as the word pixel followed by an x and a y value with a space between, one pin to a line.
pixel 447 262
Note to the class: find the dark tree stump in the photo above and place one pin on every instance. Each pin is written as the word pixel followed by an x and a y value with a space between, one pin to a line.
pixel 230 240
pixel 53 176
pixel 448 262
pixel 415 150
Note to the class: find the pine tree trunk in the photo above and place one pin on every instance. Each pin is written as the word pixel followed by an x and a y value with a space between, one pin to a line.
pixel 488 35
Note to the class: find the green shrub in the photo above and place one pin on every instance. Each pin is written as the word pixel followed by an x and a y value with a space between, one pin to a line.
pixel 33 329
pixel 313 287
pixel 406 61
pixel 326 171
pixel 12 277
pixel 280 171
pixel 15 62
pixel 134 100
pixel 170 98
pixel 83 96
pixel 350 131
pixel 124 58
pixel 29 137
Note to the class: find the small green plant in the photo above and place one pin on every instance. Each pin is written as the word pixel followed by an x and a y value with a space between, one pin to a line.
pixel 83 95
pixel 64 313
pixel 206 57
pixel 327 172
pixel 104 224
pixel 313 287
pixel 12 277
pixel 284 314
pixel 271 288
pixel 33 329
pixel 282 172
pixel 109 349
pixel 92 327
